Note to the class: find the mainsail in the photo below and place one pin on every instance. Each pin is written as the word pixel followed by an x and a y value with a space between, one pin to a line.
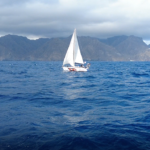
pixel 73 54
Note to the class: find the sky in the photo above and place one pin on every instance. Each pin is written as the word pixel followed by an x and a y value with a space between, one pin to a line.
pixel 58 18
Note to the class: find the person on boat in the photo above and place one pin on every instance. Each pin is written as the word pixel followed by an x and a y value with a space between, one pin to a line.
pixel 82 66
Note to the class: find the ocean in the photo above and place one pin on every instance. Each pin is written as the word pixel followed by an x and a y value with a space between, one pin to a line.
pixel 44 108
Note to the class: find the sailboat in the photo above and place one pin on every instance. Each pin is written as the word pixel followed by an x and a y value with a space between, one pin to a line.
pixel 73 60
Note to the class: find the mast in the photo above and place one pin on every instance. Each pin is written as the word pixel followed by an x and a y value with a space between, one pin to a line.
pixel 74 34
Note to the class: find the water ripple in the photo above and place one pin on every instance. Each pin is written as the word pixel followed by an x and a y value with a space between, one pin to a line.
pixel 42 107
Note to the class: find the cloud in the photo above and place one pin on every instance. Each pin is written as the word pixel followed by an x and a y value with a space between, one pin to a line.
pixel 55 18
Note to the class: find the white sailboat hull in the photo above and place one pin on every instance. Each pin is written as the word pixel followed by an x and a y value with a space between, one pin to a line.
pixel 77 69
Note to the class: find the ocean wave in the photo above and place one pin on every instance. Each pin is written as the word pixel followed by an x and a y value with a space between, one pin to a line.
pixel 43 107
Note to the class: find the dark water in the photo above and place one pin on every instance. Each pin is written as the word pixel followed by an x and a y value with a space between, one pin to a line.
pixel 44 108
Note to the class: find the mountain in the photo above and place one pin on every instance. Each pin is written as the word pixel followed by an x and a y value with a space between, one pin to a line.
pixel 118 48
pixel 13 47
pixel 128 47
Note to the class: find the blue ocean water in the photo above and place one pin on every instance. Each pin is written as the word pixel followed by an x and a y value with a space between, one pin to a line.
pixel 44 108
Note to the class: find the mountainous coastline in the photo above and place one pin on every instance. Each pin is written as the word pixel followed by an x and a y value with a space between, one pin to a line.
pixel 118 48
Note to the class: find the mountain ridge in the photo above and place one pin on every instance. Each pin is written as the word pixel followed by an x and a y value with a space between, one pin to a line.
pixel 117 48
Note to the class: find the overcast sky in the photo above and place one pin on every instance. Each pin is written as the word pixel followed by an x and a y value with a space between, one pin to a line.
pixel 58 18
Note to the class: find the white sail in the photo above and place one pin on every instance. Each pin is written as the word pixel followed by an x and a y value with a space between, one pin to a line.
pixel 77 54
pixel 69 55
pixel 73 54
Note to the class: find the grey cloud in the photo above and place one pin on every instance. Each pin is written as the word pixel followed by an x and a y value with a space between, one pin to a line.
pixel 10 3
pixel 53 18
